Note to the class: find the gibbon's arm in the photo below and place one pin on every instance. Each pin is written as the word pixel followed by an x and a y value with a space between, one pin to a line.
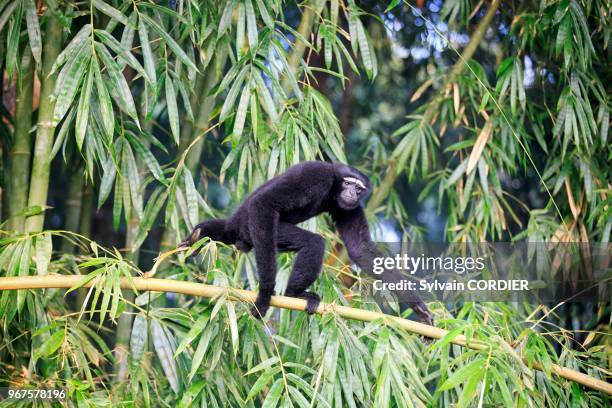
pixel 355 233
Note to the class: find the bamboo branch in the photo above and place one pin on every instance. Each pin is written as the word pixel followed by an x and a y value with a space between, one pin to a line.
pixel 210 291
pixel 477 37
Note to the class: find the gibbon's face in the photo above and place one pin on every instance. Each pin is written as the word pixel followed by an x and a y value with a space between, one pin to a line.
pixel 352 190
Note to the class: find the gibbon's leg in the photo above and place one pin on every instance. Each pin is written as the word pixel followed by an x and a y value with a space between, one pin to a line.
pixel 310 250
pixel 263 224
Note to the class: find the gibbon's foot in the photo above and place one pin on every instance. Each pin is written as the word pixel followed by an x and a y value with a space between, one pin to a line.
pixel 262 304
pixel 312 300
pixel 259 312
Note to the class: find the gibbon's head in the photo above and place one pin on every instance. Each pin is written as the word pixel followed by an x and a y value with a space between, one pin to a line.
pixel 352 187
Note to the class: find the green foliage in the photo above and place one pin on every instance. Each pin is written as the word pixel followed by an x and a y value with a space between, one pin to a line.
pixel 141 88
pixel 215 352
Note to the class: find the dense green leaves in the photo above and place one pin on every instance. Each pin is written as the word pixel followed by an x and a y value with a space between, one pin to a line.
pixel 144 91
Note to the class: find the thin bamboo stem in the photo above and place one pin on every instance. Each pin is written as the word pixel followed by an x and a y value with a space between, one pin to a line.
pixel 299 47
pixel 74 203
pixel 210 291
pixel 124 325
pixel 39 181
pixel 86 210
pixel 466 55
pixel 21 150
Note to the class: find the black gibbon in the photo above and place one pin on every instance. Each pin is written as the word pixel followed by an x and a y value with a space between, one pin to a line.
pixel 266 221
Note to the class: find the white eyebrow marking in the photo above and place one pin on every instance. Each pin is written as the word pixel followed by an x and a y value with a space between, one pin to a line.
pixel 355 181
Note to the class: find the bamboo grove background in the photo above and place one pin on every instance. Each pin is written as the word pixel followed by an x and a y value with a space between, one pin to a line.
pixel 124 123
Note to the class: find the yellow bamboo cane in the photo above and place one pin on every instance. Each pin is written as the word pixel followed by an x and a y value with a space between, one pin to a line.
pixel 210 291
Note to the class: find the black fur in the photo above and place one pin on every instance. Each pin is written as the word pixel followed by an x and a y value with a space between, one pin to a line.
pixel 266 221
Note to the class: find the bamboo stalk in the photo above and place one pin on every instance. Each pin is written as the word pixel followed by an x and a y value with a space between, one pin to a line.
pixel 210 291
pixel 21 150
pixel 86 210
pixel 39 182
pixel 124 325
pixel 74 203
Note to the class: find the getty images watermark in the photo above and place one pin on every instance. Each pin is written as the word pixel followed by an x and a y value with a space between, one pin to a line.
pixel 524 271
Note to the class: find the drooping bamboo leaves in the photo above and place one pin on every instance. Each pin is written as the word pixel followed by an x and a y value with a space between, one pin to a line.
pixel 33 30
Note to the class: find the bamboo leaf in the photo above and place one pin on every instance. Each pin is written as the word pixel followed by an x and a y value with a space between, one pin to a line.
pixel 457 173
pixel 251 24
pixel 232 95
pixel 147 53
pixel 191 195
pixel 233 325
pixel 185 98
pixel 148 158
pixel 106 296
pixel 104 102
pixel 353 32
pixel 240 27
pixel 263 380
pixel 198 356
pixel 117 203
pixel 152 209
pixel 264 94
pixel 67 88
pixel 479 146
pixel 243 106
pixel 162 340
pixel 138 339
pixel 173 115
pixel 127 37
pixel 119 85
pixel 60 140
pixel 33 30
pixel 176 49
pixel 124 55
pixel 110 11
pixel 13 37
pixel 72 48
pixel 365 48
pixel 273 395
pixel 263 12
pixel 470 370
pixel 7 13
pixel 264 365
pixel 134 179
pixel 83 109
pixel 194 332
pixel 108 178
pixel 50 346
